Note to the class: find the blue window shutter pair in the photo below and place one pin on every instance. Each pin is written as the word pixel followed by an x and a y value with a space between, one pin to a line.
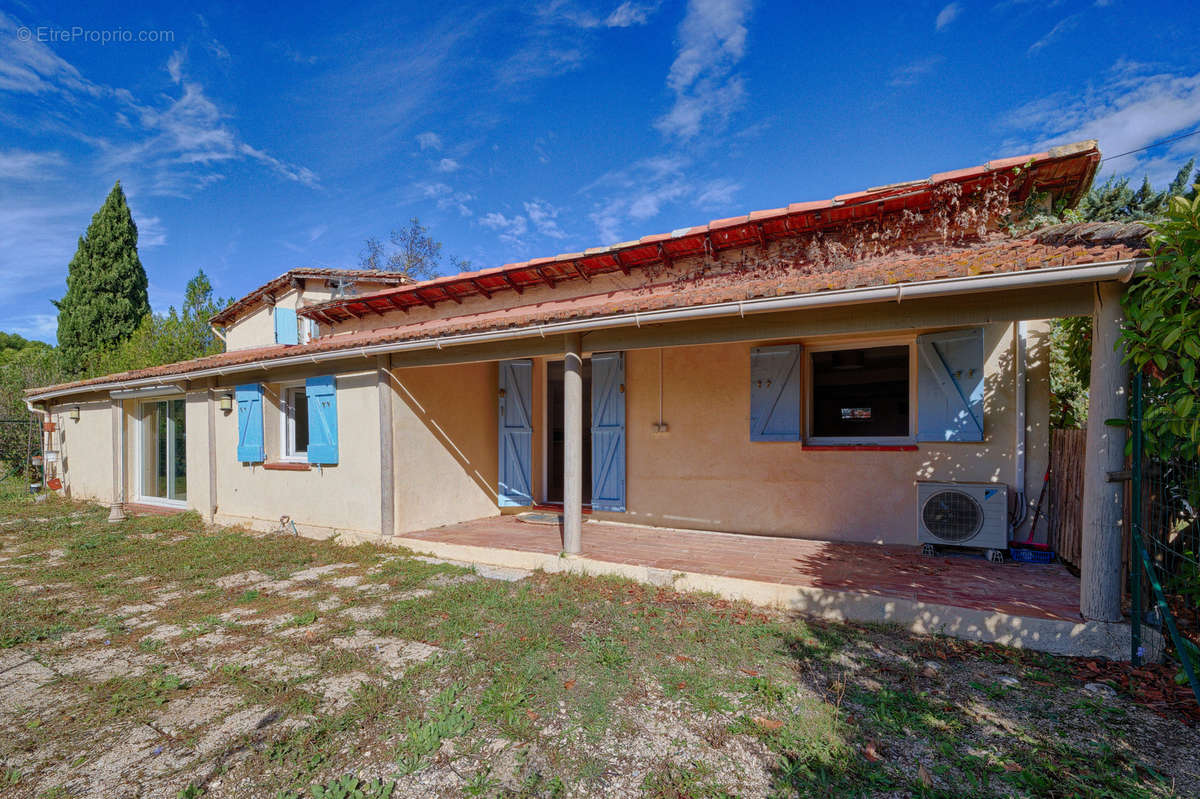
pixel 322 419
pixel 950 386
pixel 516 434
pixel 250 423
pixel 775 393
pixel 286 330
pixel 608 431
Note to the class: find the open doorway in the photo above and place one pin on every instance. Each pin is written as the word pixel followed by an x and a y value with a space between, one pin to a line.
pixel 556 433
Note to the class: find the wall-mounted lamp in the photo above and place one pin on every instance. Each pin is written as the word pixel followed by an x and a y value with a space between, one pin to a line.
pixel 73 414
pixel 226 403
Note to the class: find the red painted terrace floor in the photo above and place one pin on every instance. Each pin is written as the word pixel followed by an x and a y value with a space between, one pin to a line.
pixel 902 572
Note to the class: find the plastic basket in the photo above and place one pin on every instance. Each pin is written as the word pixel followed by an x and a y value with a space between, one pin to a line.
pixel 1030 555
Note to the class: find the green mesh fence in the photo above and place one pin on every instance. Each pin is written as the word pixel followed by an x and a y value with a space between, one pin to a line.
pixel 1165 509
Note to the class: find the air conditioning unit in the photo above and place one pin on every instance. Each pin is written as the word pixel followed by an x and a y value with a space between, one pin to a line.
pixel 963 515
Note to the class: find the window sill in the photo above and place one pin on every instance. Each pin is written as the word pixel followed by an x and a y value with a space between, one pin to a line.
pixel 860 447
pixel 286 466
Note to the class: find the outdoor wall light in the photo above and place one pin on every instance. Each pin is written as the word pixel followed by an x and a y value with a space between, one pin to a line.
pixel 73 414
pixel 226 403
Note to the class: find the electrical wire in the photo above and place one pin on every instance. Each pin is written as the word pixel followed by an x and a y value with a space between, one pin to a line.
pixel 1150 146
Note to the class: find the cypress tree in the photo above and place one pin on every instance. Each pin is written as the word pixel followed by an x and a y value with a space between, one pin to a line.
pixel 106 295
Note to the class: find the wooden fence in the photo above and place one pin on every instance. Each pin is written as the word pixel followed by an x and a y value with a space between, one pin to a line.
pixel 1065 512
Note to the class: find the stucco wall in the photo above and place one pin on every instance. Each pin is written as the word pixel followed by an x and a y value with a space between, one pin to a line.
pixel 705 472
pixel 323 500
pixel 85 447
pixel 257 327
pixel 445 433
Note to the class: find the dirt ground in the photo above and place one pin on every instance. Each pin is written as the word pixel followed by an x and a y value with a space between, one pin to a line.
pixel 160 658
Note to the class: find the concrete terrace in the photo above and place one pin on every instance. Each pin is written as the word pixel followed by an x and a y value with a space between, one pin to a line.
pixel 1017 604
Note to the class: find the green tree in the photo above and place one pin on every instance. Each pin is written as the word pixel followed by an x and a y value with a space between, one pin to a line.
pixel 178 335
pixel 1071 339
pixel 106 295
pixel 1162 334
pixel 32 364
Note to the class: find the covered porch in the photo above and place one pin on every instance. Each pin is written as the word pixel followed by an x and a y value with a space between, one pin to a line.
pixel 1031 606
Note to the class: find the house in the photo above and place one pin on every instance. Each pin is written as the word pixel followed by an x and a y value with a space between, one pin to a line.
pixel 793 373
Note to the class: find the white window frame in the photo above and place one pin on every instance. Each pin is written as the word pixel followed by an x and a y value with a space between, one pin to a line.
pixel 287 423
pixel 139 493
pixel 860 344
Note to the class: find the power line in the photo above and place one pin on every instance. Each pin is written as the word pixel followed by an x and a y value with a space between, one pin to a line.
pixel 1149 146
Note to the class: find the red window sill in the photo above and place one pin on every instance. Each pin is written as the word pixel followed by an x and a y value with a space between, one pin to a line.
pixel 860 448
pixel 286 466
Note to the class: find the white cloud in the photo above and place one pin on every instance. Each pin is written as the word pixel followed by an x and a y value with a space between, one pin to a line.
pixel 912 73
pixel 151 232
pixel 947 15
pixel 631 197
pixel 24 165
pixel 1063 26
pixel 43 327
pixel 317 231
pixel 629 14
pixel 448 165
pixel 511 229
pixel 710 43
pixel 429 140
pixel 445 197
pixel 544 218
pixel 1130 110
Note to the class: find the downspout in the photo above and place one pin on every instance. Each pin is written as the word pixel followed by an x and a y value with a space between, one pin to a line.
pixel 1019 348
pixel 45 415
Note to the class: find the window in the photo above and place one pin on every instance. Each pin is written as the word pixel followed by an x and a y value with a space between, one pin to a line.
pixel 295 423
pixel 861 395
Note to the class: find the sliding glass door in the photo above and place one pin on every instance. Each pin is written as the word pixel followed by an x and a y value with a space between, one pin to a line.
pixel 163 462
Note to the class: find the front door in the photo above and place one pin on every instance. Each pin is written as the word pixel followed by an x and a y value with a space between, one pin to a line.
pixel 163 461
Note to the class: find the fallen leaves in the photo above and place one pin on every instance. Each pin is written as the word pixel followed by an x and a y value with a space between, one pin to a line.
pixel 569 684
pixel 924 775
pixel 871 753
pixel 1152 685
pixel 766 723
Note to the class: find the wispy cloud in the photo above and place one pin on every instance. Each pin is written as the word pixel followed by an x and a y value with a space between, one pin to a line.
pixel 1065 25
pixel 711 42
pixel 448 165
pixel 445 196
pixel 1130 110
pixel 630 197
pixel 560 35
pixel 544 218
pixel 511 229
pixel 429 140
pixel 23 165
pixel 540 218
pixel 947 15
pixel 913 73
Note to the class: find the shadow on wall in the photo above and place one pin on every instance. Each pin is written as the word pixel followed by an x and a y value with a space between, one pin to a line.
pixel 457 410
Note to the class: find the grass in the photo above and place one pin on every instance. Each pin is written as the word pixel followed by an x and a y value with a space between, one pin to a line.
pixel 551 685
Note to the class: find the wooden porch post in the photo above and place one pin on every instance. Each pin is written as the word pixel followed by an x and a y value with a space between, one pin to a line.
pixel 573 445
pixel 387 481
pixel 116 511
pixel 1103 497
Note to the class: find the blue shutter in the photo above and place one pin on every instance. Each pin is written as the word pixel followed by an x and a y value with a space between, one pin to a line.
pixel 250 423
pixel 775 393
pixel 322 419
pixel 286 330
pixel 516 434
pixel 608 431
pixel 950 386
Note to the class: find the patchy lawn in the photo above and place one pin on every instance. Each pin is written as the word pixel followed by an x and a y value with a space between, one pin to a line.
pixel 160 658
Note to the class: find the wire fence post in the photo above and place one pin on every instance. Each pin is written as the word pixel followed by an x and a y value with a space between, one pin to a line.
pixel 1135 524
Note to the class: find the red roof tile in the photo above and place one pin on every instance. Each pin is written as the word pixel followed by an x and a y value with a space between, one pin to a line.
pixel 245 303
pixel 1065 172
pixel 1062 245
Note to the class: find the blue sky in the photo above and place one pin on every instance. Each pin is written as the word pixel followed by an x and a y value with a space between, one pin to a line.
pixel 254 141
